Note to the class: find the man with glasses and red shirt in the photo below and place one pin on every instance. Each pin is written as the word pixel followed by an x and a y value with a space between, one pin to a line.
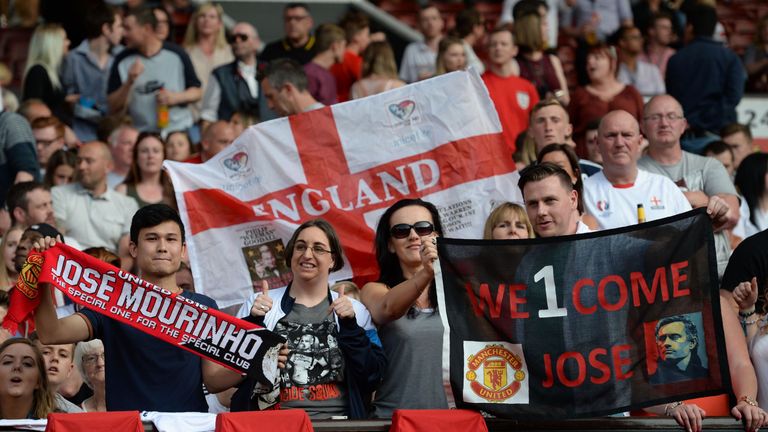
pixel 234 86
pixel 298 44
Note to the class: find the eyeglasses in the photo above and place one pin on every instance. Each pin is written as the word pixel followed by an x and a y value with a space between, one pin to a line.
pixel 422 228
pixel 238 37
pixel 93 358
pixel 317 250
pixel 47 143
pixel 655 118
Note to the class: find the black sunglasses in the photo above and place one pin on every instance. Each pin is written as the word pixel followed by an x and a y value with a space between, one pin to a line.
pixel 238 37
pixel 422 228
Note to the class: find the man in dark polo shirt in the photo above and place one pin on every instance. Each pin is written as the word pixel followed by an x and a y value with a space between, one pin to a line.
pixel 298 44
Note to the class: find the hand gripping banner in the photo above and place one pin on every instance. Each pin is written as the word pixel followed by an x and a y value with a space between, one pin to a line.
pixel 439 140
pixel 231 342
pixel 583 325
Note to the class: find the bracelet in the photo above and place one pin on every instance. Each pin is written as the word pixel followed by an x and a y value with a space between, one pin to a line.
pixel 747 314
pixel 753 321
pixel 671 406
pixel 748 400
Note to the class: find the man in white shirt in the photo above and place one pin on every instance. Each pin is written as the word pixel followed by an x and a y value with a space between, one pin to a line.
pixel 88 211
pixel 612 196
pixel 420 56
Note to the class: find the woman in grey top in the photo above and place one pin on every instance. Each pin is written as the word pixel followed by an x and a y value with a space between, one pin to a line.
pixel 403 303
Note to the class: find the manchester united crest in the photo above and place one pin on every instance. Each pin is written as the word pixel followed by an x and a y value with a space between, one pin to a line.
pixel 495 372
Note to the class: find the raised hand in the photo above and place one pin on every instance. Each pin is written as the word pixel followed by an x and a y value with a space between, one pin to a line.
pixel 342 306
pixel 745 294
pixel 263 303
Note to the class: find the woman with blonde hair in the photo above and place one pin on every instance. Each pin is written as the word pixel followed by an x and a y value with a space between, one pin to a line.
pixel 206 44
pixel 451 55
pixel 379 71
pixel 24 392
pixel 8 273
pixel 47 49
pixel 508 221
pixel 544 70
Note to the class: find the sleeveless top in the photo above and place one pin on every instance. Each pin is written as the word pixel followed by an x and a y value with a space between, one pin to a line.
pixel 414 377
pixel 130 190
pixel 541 73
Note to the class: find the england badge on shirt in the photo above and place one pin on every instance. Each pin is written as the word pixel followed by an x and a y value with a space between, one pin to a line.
pixel 523 99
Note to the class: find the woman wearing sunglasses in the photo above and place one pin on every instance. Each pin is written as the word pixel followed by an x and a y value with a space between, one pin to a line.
pixel 335 360
pixel 403 303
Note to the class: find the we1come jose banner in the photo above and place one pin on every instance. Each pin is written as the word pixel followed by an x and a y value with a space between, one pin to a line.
pixel 583 325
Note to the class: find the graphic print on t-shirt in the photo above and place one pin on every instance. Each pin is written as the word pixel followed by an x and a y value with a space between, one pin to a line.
pixel 315 362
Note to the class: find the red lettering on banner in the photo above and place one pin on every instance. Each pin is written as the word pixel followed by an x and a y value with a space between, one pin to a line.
pixel 677 279
pixel 622 293
pixel 495 306
pixel 597 364
pixel 659 284
pixel 342 196
pixel 576 293
pixel 549 377
pixel 580 364
pixel 514 300
pixel 619 362
pixel 601 370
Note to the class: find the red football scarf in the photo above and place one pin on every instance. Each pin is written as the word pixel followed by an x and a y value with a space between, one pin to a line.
pixel 209 333
pixel 24 296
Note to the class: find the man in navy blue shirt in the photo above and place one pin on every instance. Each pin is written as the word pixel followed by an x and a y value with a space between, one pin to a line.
pixel 143 373
pixel 706 77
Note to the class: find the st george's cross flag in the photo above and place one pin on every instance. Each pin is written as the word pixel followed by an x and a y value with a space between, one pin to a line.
pixel 439 140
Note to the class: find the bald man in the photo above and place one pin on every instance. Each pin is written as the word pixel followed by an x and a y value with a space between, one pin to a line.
pixel 701 179
pixel 216 137
pixel 90 212
pixel 234 87
pixel 612 195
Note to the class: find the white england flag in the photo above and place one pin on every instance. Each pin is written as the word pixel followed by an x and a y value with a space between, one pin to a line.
pixel 439 140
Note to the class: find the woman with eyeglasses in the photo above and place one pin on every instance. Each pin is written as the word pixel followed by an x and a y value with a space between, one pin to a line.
pixel 403 304
pixel 335 360
pixel 89 361
pixel 146 181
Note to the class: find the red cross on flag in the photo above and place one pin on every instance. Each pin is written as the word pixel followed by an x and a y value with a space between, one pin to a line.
pixel 439 140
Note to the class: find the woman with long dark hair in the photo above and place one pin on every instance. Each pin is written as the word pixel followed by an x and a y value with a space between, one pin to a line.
pixel 146 181
pixel 751 180
pixel 403 303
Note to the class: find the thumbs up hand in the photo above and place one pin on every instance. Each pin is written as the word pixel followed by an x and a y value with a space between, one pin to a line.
pixel 263 302
pixel 342 306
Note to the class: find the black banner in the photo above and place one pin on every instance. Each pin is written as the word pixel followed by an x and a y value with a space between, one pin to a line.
pixel 583 325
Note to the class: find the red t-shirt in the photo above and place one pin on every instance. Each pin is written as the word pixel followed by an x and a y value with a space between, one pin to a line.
pixel 514 98
pixel 346 73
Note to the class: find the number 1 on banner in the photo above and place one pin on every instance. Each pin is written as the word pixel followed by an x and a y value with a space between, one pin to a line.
pixel 547 273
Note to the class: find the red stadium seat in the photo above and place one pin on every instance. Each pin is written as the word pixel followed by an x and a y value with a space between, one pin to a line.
pixel 437 421
pixel 289 420
pixel 116 421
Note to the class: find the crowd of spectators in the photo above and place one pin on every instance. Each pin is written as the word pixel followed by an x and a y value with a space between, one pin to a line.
pixel 651 122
